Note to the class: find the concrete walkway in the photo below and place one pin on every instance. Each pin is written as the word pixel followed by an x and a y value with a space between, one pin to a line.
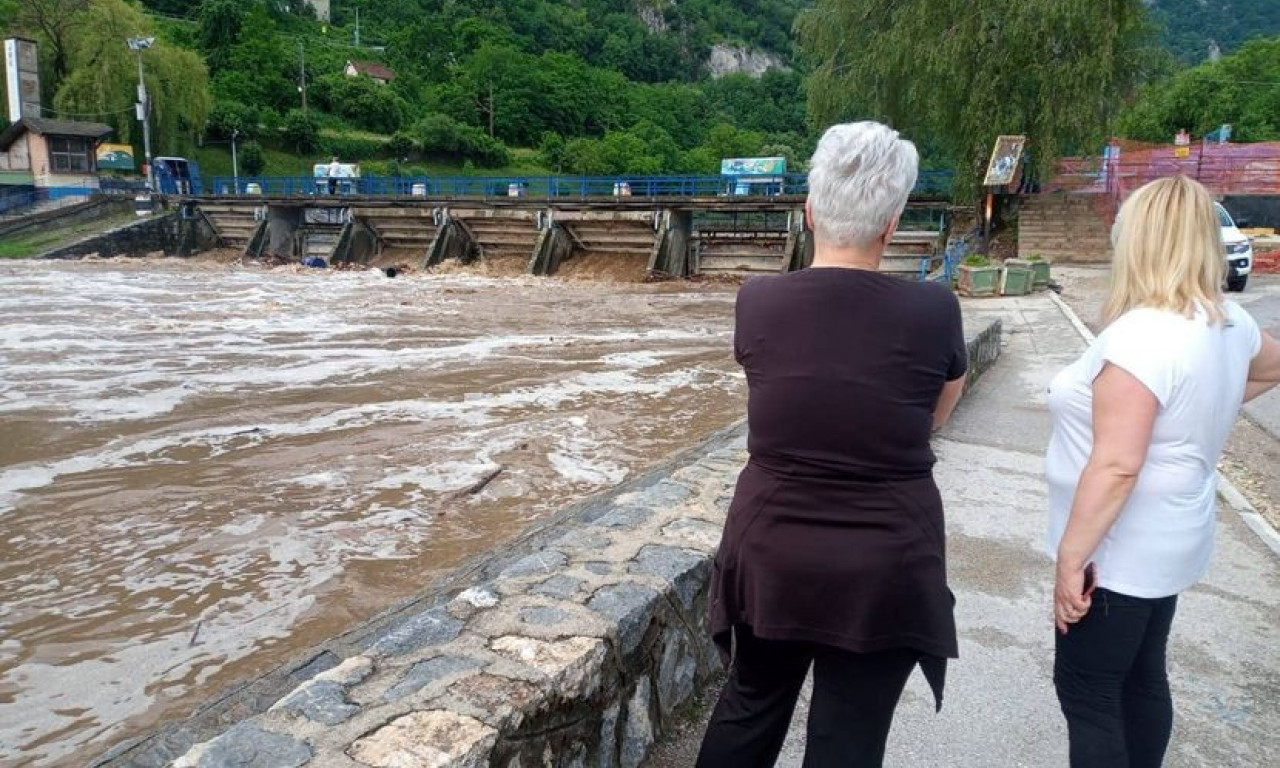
pixel 1000 707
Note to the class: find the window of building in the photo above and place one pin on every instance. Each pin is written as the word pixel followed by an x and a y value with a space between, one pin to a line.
pixel 70 154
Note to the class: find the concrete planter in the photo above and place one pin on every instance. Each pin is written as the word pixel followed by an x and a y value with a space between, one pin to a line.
pixel 979 281
pixel 1041 269
pixel 1017 278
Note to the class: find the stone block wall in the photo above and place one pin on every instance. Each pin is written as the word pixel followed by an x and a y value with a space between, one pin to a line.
pixel 575 648
pixel 168 233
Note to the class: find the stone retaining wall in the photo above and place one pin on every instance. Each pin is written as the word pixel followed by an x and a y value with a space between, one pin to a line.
pixel 166 233
pixel 573 650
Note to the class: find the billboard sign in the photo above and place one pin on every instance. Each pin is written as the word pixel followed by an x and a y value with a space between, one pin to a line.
pixel 116 157
pixel 754 166
pixel 1003 168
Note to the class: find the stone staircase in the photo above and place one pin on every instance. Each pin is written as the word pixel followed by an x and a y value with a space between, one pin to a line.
pixel 1064 228
pixel 235 223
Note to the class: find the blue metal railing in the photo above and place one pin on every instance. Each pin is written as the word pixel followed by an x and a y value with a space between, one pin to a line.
pixel 930 184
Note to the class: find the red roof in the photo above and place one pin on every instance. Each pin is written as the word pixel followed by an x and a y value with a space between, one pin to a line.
pixel 374 70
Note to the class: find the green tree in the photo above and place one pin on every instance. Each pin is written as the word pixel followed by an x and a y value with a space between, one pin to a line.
pixel 251 157
pixel 1232 90
pixel 965 71
pixel 301 133
pixel 361 101
pixel 220 23
pixel 54 23
pixel 551 150
pixel 103 76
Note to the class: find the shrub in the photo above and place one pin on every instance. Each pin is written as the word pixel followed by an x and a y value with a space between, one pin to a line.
pixel 439 134
pixel 977 260
pixel 230 116
pixel 351 149
pixel 400 145
pixel 300 132
pixel 251 158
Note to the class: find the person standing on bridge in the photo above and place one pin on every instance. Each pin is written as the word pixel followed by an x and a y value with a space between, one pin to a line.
pixel 1140 421
pixel 833 552
pixel 335 173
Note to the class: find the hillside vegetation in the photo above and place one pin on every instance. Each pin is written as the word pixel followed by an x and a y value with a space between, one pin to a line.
pixel 594 86
pixel 647 86
pixel 1192 29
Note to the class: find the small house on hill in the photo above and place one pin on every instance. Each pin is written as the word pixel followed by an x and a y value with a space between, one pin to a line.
pixel 39 152
pixel 380 73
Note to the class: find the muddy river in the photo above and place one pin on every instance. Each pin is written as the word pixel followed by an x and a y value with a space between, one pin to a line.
pixel 204 469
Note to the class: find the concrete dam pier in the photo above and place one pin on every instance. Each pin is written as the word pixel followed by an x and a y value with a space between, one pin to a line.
pixel 683 238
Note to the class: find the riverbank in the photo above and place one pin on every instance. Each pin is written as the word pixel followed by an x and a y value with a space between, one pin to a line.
pixel 579 645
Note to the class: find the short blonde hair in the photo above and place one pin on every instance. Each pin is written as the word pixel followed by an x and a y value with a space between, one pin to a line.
pixel 1168 251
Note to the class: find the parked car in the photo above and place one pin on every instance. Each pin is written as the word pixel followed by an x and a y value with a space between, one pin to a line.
pixel 1239 251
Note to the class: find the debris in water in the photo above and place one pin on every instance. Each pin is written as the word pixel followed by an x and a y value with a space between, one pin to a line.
pixel 195 634
pixel 484 481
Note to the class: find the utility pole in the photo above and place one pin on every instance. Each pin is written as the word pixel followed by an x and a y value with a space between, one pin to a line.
pixel 235 164
pixel 302 76
pixel 357 26
pixel 138 44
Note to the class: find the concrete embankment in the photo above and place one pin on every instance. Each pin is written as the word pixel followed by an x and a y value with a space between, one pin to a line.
pixel 166 232
pixel 574 647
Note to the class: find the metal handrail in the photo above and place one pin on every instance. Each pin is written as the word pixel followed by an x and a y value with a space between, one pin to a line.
pixel 561 187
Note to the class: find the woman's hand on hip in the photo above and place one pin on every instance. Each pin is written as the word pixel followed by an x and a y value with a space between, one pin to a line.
pixel 1070 604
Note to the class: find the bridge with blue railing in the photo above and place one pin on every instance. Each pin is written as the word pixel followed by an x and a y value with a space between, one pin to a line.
pixel 670 225
pixel 931 185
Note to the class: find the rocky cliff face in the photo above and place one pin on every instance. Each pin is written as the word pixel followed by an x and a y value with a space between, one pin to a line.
pixel 728 59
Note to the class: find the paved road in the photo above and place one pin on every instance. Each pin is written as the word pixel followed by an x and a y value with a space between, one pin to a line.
pixel 1000 708
pixel 1262 299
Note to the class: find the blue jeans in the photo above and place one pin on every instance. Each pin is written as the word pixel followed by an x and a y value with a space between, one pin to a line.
pixel 1112 683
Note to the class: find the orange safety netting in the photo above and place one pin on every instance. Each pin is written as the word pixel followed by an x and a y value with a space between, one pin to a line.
pixel 1225 169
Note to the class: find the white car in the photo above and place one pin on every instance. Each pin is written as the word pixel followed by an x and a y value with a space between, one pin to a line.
pixel 1239 251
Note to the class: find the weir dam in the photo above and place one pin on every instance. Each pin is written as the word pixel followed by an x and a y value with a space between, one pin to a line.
pixel 665 236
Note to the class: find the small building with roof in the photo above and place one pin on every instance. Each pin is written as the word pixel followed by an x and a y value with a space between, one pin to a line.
pixel 50 153
pixel 39 152
pixel 380 73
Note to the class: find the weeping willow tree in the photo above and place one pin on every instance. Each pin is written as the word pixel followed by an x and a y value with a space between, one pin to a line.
pixel 101 83
pixel 959 73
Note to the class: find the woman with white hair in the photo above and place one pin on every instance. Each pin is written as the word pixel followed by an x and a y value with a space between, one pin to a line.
pixel 1139 424
pixel 833 552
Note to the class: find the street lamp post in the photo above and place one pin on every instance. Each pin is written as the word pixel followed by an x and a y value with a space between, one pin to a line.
pixel 235 165
pixel 137 45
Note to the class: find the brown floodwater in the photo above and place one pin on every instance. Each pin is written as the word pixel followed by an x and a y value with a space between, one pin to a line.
pixel 272 455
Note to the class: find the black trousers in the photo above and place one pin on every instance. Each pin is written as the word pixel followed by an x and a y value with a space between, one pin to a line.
pixel 1112 683
pixel 854 696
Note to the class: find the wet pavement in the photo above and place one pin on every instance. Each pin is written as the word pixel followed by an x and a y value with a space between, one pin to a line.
pixel 205 468
pixel 1000 707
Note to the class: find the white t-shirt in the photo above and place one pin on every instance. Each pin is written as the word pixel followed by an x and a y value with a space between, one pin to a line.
pixel 1161 543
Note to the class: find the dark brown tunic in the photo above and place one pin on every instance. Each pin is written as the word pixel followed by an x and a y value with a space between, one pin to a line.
pixel 835 534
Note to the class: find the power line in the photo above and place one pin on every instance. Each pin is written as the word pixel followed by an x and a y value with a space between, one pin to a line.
pixel 65 113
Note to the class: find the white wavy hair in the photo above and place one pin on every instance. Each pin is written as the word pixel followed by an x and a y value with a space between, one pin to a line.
pixel 859 180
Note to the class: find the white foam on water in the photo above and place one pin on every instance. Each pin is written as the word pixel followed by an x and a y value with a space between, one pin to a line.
pixel 135 357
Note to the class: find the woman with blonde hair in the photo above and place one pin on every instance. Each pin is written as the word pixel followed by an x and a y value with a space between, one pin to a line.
pixel 1140 421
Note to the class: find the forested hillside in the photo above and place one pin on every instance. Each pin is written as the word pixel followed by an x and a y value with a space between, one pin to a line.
pixel 1194 28
pixel 583 86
